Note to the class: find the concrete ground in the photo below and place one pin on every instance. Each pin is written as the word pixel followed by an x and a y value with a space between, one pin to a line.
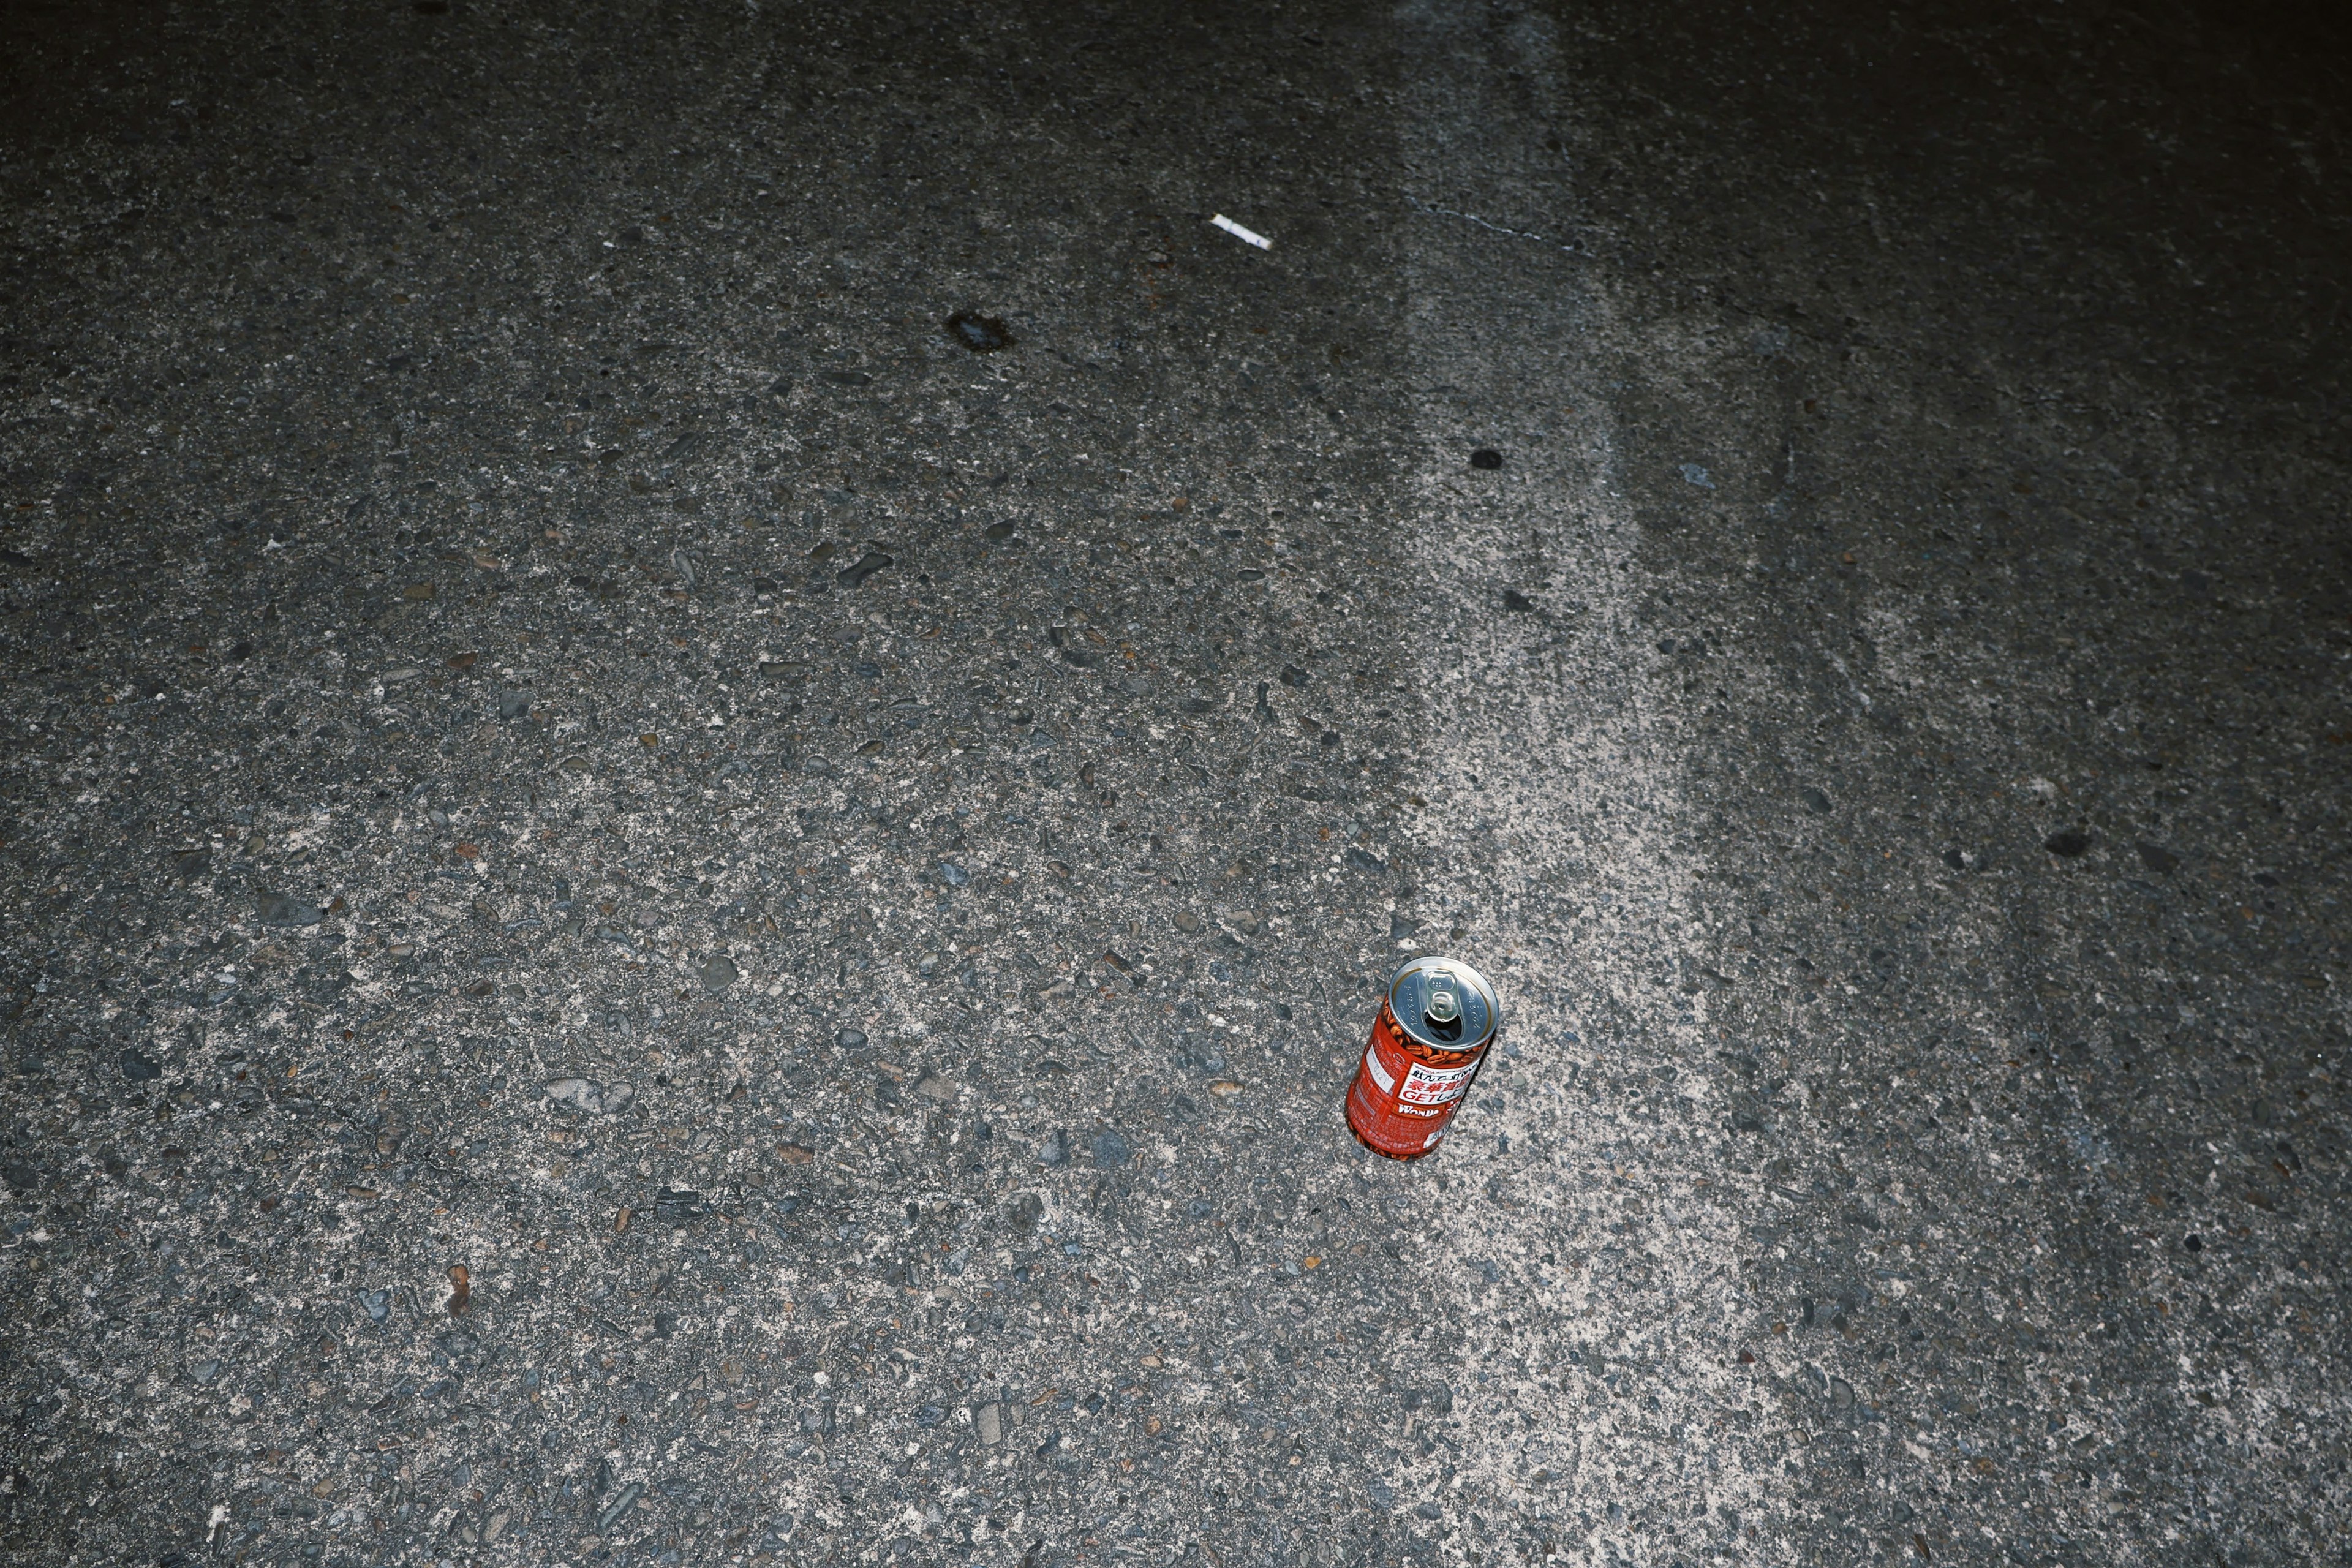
pixel 716 737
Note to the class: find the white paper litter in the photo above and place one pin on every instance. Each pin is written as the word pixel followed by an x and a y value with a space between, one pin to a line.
pixel 1238 232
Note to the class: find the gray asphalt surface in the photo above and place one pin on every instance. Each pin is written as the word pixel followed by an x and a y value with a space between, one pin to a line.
pixel 660 909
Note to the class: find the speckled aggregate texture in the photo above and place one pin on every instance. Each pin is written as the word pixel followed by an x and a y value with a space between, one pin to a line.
pixel 717 735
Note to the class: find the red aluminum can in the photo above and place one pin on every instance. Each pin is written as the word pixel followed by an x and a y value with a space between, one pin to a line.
pixel 1430 1037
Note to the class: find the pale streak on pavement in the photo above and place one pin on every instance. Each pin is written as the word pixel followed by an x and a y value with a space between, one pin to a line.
pixel 1555 734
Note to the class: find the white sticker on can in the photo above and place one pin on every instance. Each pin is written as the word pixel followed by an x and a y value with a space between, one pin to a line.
pixel 1435 1086
pixel 1379 1074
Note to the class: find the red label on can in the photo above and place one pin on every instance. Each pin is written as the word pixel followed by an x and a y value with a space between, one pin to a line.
pixel 1404 1098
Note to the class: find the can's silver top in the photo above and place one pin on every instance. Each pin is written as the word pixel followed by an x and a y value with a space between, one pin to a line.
pixel 1445 1003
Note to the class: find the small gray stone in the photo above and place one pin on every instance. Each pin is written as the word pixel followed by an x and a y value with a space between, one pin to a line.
pixel 719 974
pixel 283 909
pixel 140 1069
pixel 1055 1150
pixel 575 1091
pixel 595 1099
pixel 620 1505
pixel 513 704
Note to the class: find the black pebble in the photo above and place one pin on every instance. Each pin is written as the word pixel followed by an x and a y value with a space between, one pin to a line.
pixel 1486 457
pixel 1293 676
pixel 850 1039
pixel 997 531
pixel 2195 1244
pixel 2067 843
pixel 1816 801
pixel 1516 602
pixel 139 1069
pixel 430 7
pixel 981 334
pixel 867 564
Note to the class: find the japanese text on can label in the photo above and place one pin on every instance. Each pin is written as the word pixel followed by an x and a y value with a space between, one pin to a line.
pixel 1426 1089
pixel 1433 1087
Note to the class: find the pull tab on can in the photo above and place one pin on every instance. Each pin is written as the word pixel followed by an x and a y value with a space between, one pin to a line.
pixel 1431 1035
